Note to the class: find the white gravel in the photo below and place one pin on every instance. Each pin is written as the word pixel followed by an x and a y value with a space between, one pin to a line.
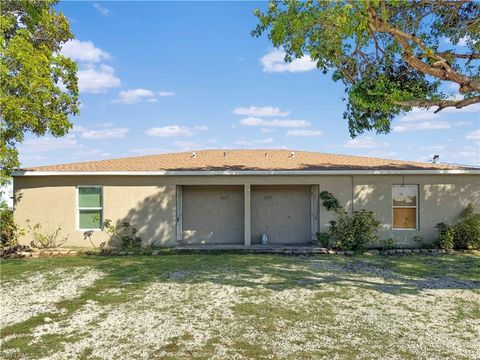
pixel 336 312
pixel 37 293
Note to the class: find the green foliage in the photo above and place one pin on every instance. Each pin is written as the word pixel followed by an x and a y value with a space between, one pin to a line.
pixel 386 53
pixel 125 235
pixel 354 232
pixel 329 201
pixel 445 236
pixel 387 244
pixel 465 234
pixel 38 86
pixel 9 230
pixel 45 240
pixel 323 239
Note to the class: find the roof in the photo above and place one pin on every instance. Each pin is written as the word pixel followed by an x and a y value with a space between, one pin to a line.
pixel 257 161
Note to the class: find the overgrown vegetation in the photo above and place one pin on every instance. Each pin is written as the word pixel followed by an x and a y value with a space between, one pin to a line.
pixel 348 232
pixel 9 230
pixel 356 231
pixel 123 235
pixel 465 234
pixel 46 240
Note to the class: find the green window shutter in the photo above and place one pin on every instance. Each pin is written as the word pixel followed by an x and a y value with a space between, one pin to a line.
pixel 90 219
pixel 89 197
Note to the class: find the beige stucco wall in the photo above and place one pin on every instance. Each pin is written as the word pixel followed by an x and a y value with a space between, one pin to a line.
pixel 149 202
pixel 51 201
pixel 212 214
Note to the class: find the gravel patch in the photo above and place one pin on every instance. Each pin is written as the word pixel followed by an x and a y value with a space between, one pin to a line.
pixel 337 311
pixel 38 293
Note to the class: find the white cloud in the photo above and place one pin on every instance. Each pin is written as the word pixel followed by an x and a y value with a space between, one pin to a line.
pixel 134 96
pixel 107 133
pixel 96 80
pixel 419 114
pixel 45 144
pixel 83 51
pixel 424 125
pixel 265 131
pixel 304 132
pixel 253 121
pixel 274 62
pixel 260 111
pixel 169 131
pixel 102 10
pixel 264 141
pixel 365 143
pixel 201 128
pixel 166 93
pixel 473 135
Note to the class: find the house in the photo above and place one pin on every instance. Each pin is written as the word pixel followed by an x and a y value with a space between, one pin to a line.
pixel 234 196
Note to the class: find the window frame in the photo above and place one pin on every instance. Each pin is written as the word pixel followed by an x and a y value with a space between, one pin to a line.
pixel 78 208
pixel 417 223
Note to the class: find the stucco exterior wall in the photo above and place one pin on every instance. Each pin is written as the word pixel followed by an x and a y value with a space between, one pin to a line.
pixel 52 202
pixel 149 202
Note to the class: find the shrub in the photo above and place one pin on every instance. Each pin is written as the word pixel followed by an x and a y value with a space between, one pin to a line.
pixel 323 239
pixel 46 240
pixel 445 236
pixel 465 234
pixel 9 231
pixel 124 234
pixel 329 201
pixel 356 231
pixel 387 244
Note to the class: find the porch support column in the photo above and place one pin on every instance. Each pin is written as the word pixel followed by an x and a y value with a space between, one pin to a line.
pixel 246 215
pixel 314 211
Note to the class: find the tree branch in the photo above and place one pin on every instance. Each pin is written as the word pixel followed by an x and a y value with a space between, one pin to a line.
pixel 441 104
pixel 441 69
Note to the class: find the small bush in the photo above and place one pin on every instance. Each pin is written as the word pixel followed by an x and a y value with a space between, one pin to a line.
pixel 356 231
pixel 46 240
pixel 387 244
pixel 9 230
pixel 125 234
pixel 323 239
pixel 445 236
pixel 464 235
pixel 329 201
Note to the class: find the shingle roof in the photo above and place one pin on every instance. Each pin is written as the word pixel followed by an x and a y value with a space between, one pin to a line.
pixel 237 160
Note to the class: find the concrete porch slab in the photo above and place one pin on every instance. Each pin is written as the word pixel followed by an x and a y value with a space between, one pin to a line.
pixel 257 249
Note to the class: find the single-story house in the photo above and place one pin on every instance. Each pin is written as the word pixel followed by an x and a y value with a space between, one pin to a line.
pixel 234 196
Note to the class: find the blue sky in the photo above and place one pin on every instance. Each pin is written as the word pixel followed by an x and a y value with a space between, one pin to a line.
pixel 178 76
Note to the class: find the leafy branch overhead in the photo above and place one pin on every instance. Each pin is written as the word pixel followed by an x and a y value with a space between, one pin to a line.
pixel 38 86
pixel 390 55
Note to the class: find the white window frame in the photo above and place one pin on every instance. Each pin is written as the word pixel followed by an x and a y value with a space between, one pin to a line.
pixel 78 208
pixel 407 207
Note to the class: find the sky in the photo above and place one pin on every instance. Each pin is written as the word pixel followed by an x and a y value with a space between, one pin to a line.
pixel 160 77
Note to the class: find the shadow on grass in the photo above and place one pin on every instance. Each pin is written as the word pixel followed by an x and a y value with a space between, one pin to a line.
pixel 393 274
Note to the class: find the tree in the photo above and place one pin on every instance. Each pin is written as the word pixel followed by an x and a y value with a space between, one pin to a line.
pixel 38 86
pixel 390 55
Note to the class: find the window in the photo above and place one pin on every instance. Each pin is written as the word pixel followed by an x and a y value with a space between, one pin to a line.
pixel 90 207
pixel 405 206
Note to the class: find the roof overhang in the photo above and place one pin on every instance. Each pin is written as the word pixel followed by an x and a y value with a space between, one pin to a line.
pixel 249 172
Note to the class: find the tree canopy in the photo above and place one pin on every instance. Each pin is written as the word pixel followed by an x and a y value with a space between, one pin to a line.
pixel 38 86
pixel 390 55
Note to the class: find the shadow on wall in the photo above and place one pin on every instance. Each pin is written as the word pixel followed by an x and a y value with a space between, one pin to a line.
pixel 154 217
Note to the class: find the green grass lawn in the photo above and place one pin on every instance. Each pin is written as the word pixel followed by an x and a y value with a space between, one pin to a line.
pixel 233 306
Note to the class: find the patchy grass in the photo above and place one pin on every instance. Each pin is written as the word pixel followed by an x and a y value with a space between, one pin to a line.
pixel 217 306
